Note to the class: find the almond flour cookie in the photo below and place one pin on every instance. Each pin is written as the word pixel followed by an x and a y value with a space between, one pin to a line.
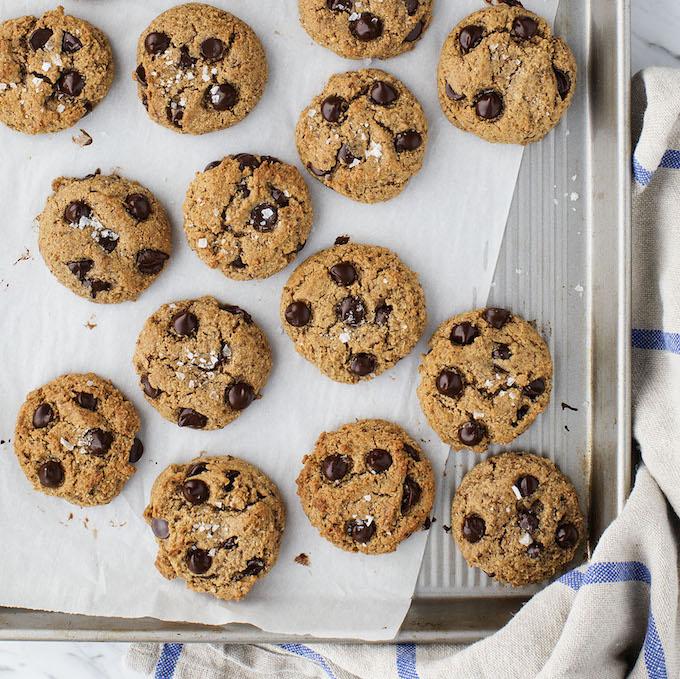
pixel 53 71
pixel 218 523
pixel 517 517
pixel 504 77
pixel 486 378
pixel 201 363
pixel 353 311
pixel 248 215
pixel 366 487
pixel 364 136
pixel 200 69
pixel 369 29
pixel 104 237
pixel 75 439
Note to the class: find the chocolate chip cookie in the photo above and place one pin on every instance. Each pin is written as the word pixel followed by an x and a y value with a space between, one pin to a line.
pixel 353 311
pixel 201 363
pixel 75 439
pixel 53 71
pixel 366 29
pixel 364 136
pixel 106 238
pixel 218 523
pixel 366 487
pixel 248 215
pixel 517 517
pixel 504 77
pixel 200 69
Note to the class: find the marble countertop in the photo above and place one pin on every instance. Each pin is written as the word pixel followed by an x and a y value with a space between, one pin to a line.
pixel 655 27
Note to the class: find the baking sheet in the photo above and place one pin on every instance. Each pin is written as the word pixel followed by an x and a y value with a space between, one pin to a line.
pixel 447 225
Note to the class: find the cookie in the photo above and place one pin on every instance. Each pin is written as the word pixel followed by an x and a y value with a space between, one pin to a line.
pixel 218 523
pixel 248 215
pixel 370 29
pixel 517 517
pixel 104 237
pixel 485 379
pixel 353 311
pixel 364 136
pixel 366 486
pixel 75 439
pixel 504 77
pixel 201 363
pixel 53 71
pixel 199 69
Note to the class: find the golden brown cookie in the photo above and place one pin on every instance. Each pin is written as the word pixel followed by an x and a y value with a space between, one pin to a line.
pixel 504 77
pixel 75 439
pixel 218 523
pixel 517 517
pixel 248 215
pixel 485 379
pixel 366 486
pixel 200 69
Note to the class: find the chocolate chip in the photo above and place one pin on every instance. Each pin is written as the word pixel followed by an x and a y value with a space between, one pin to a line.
pixel 231 475
pixel 382 314
pixel 138 205
pixel 136 451
pixel 238 263
pixel 98 442
pixel 527 485
pixel 198 561
pixel 80 268
pixel 563 83
pixel 496 317
pixel 471 433
pixel 298 314
pixel 141 75
pixel 188 417
pixel 69 43
pixel 148 389
pixel 378 460
pixel 362 364
pixel 367 27
pixel 270 159
pixel 534 550
pixel 43 415
pixel 501 352
pixel 316 171
pixel 185 323
pixel 345 155
pixel 76 210
pixel 264 217
pixel 474 528
pixel 534 389
pixel 341 240
pixel 335 467
pixel 253 567
pixel 212 48
pixel 197 468
pixel 240 395
pixel 343 273
pixel 383 93
pixel 451 94
pixel 195 491
pixel 237 311
pixel 470 37
pixel 151 262
pixel 448 383
pixel 411 452
pixel 339 5
pixel 415 32
pixel 524 27
pixel 155 43
pixel 566 536
pixel 360 531
pixel 96 287
pixel 528 521
pixel 489 105
pixel 332 108
pixel 38 39
pixel 411 7
pixel 175 113
pixel 247 160
pixel 71 83
pixel 160 528
pixel 408 141
pixel 280 198
pixel 230 542
pixel 212 166
pixel 145 101
pixel 522 412
pixel 109 242
pixel 300 246
pixel 222 97
pixel 351 311
pixel 463 333
pixel 412 493
pixel 51 474
pixel 186 61
pixel 85 400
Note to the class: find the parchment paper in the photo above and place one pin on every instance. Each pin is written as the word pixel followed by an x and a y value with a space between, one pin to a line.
pixel 447 225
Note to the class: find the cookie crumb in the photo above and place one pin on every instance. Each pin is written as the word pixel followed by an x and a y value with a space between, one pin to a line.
pixel 90 325
pixel 302 559
pixel 342 240
pixel 82 139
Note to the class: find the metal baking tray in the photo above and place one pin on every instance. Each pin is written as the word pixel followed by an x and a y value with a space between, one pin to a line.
pixel 565 262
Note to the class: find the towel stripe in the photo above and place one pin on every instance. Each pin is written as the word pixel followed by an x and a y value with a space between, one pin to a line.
pixel 165 669
pixel 641 175
pixel 670 160
pixel 406 661
pixel 309 654
pixel 656 340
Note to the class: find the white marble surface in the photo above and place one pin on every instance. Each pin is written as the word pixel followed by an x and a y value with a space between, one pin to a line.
pixel 655 28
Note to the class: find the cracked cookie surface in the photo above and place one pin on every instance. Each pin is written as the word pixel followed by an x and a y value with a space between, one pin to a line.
pixel 218 523
pixel 75 439
pixel 199 69
pixel 366 486
pixel 104 237
pixel 364 136
pixel 369 29
pixel 248 215
pixel 353 311
pixel 517 517
pixel 486 378
pixel 201 363
pixel 504 77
